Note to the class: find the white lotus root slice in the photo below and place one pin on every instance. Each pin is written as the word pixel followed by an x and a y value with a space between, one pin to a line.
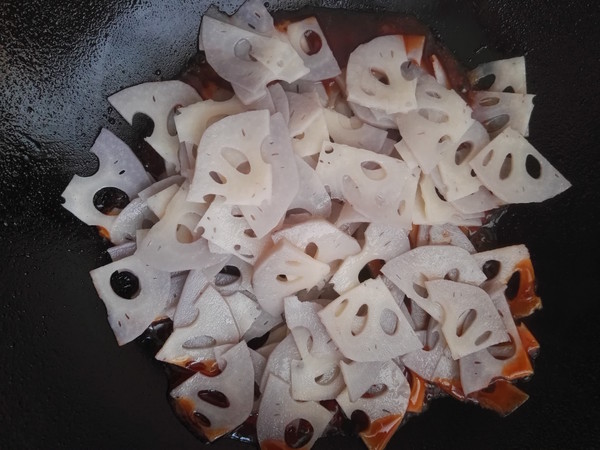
pixel 280 101
pixel 307 124
pixel 454 168
pixel 225 226
pixel 278 152
pixel 406 154
pixel 120 251
pixel 304 323
pixel 193 120
pixel 500 110
pixel 374 117
pixel 439 122
pixel 173 243
pixel 214 326
pixel 135 215
pixel 312 196
pixel 280 360
pixel 450 235
pixel 506 260
pixel 359 377
pixel 283 271
pixel 375 78
pixel 224 401
pixel 308 40
pixel 386 393
pixel 130 317
pixel 438 211
pixel 367 325
pixel 381 242
pixel 317 376
pixel 118 168
pixel 424 361
pixel 516 172
pixel 352 131
pixel 230 162
pixel 470 320
pixel 196 281
pixel 279 412
pixel 159 202
pixel 159 186
pixel 372 183
pixel 507 75
pixel 244 310
pixel 509 361
pixel 249 60
pixel 229 283
pixel 348 219
pixel 252 15
pixel 478 202
pixel 328 242
pixel 159 100
pixel 264 323
pixel 412 269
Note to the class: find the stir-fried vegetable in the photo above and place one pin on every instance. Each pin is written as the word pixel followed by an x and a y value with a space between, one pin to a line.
pixel 305 237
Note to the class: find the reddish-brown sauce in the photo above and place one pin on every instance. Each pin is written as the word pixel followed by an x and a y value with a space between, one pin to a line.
pixel 344 31
pixel 380 432
pixel 502 397
pixel 526 300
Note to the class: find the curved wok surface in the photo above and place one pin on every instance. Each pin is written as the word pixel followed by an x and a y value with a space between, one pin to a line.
pixel 64 382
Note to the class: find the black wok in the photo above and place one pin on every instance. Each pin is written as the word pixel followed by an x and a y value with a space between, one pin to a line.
pixel 64 382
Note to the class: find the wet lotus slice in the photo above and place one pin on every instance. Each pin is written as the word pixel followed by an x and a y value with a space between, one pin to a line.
pixel 381 243
pixel 173 243
pixel 119 170
pixel 277 152
pixel 193 120
pixel 504 75
pixel 382 403
pixel 500 110
pixel 196 281
pixel 230 163
pixel 284 271
pixel 441 119
pixel 283 420
pixel 432 209
pixel 320 238
pixel 222 402
pixel 312 196
pixel 214 326
pixel 375 78
pixel 249 60
pixel 224 226
pixel 159 101
pixel 353 132
pixel 133 217
pixel 316 376
pixel 367 325
pixel 516 172
pixel 308 40
pixel 470 321
pixel 411 270
pixel 307 124
pixel 371 183
pixel 454 168
pixel 131 309
pixel 511 266
pixel 508 361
